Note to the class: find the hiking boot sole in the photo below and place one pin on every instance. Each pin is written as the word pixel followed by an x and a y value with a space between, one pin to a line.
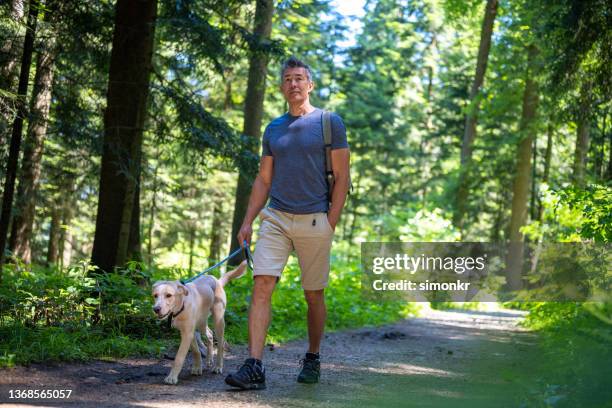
pixel 245 386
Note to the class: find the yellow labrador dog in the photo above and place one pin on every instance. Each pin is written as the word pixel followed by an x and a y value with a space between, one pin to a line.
pixel 190 305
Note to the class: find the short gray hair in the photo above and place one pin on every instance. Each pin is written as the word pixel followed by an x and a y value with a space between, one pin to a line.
pixel 293 62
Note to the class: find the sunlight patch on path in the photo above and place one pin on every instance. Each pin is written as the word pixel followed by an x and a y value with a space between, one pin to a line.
pixel 411 369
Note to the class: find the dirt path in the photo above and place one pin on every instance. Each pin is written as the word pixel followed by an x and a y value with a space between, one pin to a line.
pixel 475 359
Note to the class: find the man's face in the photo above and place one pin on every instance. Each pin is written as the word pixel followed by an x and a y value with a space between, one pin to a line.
pixel 296 87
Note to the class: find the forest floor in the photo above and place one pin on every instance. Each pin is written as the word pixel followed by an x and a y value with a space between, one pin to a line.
pixel 443 358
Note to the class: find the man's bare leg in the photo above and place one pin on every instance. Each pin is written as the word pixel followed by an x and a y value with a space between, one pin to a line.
pixel 316 318
pixel 259 314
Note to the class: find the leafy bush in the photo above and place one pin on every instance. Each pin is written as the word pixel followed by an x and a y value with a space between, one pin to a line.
pixel 52 315
pixel 572 214
pixel 43 296
pixel 595 205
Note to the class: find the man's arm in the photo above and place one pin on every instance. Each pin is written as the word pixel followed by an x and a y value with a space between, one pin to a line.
pixel 340 167
pixel 258 198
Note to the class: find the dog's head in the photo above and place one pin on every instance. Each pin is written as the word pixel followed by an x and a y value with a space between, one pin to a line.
pixel 168 297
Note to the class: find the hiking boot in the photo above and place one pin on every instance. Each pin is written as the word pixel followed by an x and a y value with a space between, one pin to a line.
pixel 311 369
pixel 250 376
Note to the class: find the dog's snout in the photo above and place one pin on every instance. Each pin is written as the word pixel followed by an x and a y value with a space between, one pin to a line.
pixel 156 309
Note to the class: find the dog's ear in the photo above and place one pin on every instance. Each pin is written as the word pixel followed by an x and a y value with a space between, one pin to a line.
pixel 183 289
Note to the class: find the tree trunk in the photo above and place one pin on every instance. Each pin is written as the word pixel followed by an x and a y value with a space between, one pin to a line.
pixel 423 158
pixel 13 159
pixel 129 236
pixel 471 118
pixel 534 173
pixel 548 154
pixel 253 111
pixel 582 146
pixel 29 177
pixel 124 121
pixel 152 214
pixel 66 244
pixel 609 175
pixel 54 233
pixel 17 9
pixel 354 210
pixel 10 51
pixel 63 205
pixel 134 251
pixel 216 235
pixel 499 217
pixel 520 191
pixel 429 95
pixel 599 149
pixel 228 101
pixel 547 158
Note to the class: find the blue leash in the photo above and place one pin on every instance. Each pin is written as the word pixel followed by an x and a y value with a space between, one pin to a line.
pixel 247 255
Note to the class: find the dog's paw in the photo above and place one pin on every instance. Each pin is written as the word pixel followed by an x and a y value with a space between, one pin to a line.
pixel 217 370
pixel 196 370
pixel 171 379
pixel 210 364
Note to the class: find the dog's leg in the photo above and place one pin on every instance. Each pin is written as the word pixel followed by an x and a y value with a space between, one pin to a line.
pixel 203 328
pixel 196 368
pixel 209 345
pixel 218 312
pixel 201 344
pixel 179 360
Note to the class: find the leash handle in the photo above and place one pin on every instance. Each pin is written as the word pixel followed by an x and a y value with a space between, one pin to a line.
pixel 247 254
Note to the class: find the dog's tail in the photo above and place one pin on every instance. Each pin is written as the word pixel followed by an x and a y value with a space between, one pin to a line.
pixel 236 273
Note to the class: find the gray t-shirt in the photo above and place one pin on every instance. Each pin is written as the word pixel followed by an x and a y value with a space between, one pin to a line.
pixel 296 143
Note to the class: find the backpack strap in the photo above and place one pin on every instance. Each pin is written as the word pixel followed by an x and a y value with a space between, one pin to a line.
pixel 327 139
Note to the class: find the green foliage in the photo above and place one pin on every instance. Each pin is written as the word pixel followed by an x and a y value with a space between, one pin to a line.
pixel 457 10
pixel 7 360
pixel 52 315
pixel 594 203
pixel 24 345
pixel 574 214
pixel 576 352
pixel 40 295
pixel 578 36
pixel 74 297
pixel 559 316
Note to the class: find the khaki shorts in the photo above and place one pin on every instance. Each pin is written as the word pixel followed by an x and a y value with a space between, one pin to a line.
pixel 310 235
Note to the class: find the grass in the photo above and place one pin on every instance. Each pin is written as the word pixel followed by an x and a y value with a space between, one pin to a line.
pixel 23 345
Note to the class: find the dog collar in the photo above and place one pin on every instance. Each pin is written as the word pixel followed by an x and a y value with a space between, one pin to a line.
pixel 179 312
pixel 172 315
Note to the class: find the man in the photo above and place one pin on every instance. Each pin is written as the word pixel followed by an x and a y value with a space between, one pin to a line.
pixel 299 217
